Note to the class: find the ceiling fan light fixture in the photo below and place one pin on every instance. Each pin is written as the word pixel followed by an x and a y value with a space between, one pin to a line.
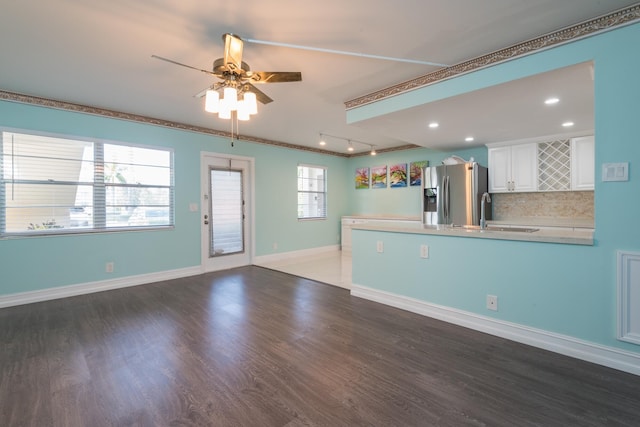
pixel 243 113
pixel 237 81
pixel 225 111
pixel 230 98
pixel 243 109
pixel 251 102
pixel 212 101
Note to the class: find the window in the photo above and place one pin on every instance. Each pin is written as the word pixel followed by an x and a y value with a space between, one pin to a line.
pixel 312 192
pixel 227 212
pixel 58 185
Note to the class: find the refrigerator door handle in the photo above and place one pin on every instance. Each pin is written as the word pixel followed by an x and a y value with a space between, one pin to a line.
pixel 442 196
pixel 445 181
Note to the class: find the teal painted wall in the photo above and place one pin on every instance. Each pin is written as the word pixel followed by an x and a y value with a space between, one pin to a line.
pixel 559 288
pixel 34 263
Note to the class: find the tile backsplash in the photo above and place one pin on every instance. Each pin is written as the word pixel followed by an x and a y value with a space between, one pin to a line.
pixel 562 205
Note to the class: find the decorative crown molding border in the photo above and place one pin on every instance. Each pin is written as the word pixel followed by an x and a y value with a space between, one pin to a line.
pixel 84 109
pixel 588 28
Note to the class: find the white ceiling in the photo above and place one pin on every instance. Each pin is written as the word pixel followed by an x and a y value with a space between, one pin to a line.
pixel 98 53
pixel 506 112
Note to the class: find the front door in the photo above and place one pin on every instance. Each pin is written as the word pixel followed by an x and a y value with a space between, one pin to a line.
pixel 226 212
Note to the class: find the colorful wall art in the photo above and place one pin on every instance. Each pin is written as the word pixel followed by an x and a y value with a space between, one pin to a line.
pixel 415 172
pixel 362 178
pixel 398 175
pixel 379 176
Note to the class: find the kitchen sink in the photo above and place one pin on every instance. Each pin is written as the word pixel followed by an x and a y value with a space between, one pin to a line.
pixel 495 228
pixel 514 229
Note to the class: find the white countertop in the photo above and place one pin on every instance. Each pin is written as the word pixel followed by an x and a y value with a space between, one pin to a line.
pixel 564 235
pixel 546 222
pixel 384 217
pixel 519 222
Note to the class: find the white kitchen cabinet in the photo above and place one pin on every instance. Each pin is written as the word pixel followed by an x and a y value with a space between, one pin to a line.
pixel 513 168
pixel 582 163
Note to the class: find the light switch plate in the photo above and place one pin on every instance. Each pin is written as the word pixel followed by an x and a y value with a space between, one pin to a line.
pixel 615 171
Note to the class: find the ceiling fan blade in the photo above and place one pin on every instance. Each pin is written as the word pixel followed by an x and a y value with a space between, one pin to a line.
pixel 232 51
pixel 260 95
pixel 275 76
pixel 182 65
pixel 203 92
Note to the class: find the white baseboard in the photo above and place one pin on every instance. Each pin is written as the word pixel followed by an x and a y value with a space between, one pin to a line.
pixel 99 286
pixel 569 346
pixel 284 256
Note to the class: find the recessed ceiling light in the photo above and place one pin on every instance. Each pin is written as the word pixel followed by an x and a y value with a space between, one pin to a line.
pixel 551 101
pixel 567 124
pixel 433 125
pixel 469 139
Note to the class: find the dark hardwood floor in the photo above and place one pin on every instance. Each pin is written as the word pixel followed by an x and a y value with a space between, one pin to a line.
pixel 256 347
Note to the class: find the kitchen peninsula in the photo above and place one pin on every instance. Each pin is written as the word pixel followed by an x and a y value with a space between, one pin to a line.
pixel 496 230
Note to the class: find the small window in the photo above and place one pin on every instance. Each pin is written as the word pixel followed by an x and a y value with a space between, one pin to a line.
pixel 56 185
pixel 312 192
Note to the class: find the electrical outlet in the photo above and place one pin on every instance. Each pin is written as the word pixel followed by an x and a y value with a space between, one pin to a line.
pixel 109 267
pixel 379 246
pixel 492 302
pixel 424 251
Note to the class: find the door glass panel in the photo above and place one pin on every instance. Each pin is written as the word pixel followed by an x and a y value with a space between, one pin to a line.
pixel 227 212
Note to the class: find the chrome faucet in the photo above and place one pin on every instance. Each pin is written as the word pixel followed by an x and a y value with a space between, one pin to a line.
pixel 485 198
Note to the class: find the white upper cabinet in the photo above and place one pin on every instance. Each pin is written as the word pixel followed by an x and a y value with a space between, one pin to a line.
pixel 513 168
pixel 582 163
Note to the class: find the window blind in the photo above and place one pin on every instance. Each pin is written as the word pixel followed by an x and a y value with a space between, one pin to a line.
pixel 62 185
pixel 312 192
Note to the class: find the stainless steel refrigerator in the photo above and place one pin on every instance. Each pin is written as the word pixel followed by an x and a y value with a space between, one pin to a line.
pixel 451 194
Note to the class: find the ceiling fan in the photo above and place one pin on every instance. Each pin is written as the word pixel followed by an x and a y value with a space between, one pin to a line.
pixel 235 73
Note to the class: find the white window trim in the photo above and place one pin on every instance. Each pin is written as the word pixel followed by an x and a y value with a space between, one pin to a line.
pixel 12 234
pixel 325 192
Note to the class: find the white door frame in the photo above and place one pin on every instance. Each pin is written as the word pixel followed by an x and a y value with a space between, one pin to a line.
pixel 205 159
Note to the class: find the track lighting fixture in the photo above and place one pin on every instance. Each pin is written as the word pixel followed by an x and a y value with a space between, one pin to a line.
pixel 350 146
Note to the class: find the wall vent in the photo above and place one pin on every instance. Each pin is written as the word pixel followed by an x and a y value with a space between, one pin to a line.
pixel 629 297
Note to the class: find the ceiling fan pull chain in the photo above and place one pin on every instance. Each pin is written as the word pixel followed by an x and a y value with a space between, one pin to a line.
pixel 231 128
